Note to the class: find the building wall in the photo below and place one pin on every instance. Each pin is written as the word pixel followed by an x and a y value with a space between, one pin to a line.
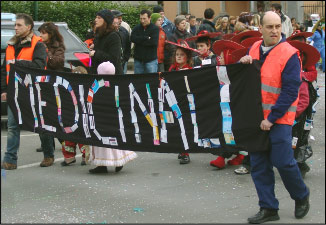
pixel 234 8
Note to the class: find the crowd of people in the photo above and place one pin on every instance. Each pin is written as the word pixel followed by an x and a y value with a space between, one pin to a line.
pixel 162 46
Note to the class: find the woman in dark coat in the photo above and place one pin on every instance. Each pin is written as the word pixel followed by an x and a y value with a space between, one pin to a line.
pixel 56 56
pixel 107 43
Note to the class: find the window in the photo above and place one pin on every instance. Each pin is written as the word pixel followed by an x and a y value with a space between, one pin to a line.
pixel 184 7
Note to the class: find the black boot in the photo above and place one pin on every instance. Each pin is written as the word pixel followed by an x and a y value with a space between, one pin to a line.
pixel 304 168
pixel 99 169
pixel 264 215
pixel 40 149
pixel 302 207
pixel 118 168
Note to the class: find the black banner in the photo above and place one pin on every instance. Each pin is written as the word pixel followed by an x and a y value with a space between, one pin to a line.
pixel 209 109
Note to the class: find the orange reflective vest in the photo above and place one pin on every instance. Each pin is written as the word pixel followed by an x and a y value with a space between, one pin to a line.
pixel 271 78
pixel 25 54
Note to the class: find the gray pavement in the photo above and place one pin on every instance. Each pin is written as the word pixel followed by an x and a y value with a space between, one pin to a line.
pixel 154 188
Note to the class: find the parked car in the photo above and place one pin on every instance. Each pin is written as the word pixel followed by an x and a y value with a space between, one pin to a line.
pixel 76 53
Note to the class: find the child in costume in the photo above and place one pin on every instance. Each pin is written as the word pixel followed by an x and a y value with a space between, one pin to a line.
pixel 69 147
pixel 203 44
pixel 224 49
pixel 102 157
pixel 182 60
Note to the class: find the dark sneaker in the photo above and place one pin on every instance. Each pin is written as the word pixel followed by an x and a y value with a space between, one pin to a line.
pixel 99 169
pixel 302 207
pixel 64 163
pixel 264 215
pixel 47 162
pixel 184 159
pixel 8 166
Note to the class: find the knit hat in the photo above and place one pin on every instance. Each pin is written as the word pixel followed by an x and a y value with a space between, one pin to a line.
pixel 106 68
pixel 107 15
pixel 155 17
pixel 178 19
pixel 158 9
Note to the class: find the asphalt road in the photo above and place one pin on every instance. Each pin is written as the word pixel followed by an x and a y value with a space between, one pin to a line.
pixel 154 188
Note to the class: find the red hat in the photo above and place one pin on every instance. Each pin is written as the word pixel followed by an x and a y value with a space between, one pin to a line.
pixel 312 54
pixel 227 47
pixel 228 36
pixel 204 33
pixel 239 53
pixel 250 41
pixel 299 34
pixel 182 44
pixel 246 34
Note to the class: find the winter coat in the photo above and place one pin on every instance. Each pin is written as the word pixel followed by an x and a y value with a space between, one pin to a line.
pixel 287 28
pixel 39 57
pixel 207 25
pixel 146 41
pixel 161 45
pixel 56 56
pixel 168 27
pixel 107 48
pixel 126 44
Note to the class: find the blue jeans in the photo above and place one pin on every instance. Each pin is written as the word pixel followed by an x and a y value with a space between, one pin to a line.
pixel 13 139
pixel 281 156
pixel 125 67
pixel 149 67
pixel 47 143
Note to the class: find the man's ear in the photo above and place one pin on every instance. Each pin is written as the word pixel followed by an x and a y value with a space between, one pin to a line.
pixel 260 27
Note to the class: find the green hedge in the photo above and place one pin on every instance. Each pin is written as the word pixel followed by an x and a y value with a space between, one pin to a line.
pixel 77 14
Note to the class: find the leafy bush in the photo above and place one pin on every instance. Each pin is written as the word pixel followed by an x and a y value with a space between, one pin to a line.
pixel 77 14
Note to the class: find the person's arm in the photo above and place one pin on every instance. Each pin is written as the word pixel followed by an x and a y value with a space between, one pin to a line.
pixel 112 50
pixel 39 57
pixel 153 36
pixel 303 99
pixel 127 51
pixel 136 37
pixel 56 60
pixel 289 91
pixel 3 77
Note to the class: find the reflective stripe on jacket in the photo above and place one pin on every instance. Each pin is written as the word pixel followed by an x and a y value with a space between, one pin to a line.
pixel 25 54
pixel 271 78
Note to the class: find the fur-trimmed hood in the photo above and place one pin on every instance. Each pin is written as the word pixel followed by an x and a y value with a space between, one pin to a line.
pixel 14 40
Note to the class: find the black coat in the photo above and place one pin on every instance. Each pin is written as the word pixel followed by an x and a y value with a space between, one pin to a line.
pixel 146 42
pixel 107 48
pixel 207 25
pixel 126 43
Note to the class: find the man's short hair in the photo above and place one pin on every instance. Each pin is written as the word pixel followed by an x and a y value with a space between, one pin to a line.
pixel 277 6
pixel 209 13
pixel 192 17
pixel 27 19
pixel 144 11
pixel 158 9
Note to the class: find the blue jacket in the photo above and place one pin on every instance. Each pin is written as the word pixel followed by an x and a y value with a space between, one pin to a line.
pixel 291 82
pixel 319 40
pixel 168 27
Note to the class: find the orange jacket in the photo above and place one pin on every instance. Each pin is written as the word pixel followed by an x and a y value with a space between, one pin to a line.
pixel 271 78
pixel 160 46
pixel 25 54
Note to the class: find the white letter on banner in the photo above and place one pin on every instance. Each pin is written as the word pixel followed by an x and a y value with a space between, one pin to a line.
pixel 172 101
pixel 67 86
pixel 95 87
pixel 18 79
pixel 28 82
pixel 84 113
pixel 43 79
